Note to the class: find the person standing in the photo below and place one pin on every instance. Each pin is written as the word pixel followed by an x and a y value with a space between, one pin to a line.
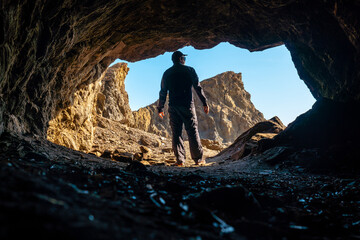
pixel 178 80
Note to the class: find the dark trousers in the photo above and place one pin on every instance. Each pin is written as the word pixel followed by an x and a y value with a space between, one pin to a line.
pixel 180 115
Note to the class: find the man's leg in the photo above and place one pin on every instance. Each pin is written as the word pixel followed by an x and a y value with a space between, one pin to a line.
pixel 176 123
pixel 191 127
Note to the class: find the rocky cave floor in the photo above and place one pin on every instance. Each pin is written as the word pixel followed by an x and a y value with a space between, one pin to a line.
pixel 51 192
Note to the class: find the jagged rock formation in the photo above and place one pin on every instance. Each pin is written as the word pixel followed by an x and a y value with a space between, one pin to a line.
pixel 49 50
pixel 112 101
pixel 231 111
pixel 74 126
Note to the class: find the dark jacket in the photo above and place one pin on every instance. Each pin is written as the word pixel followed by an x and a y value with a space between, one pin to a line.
pixel 178 80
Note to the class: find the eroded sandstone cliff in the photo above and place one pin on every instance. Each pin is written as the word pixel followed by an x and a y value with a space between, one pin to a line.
pixel 74 126
pixel 231 111
pixel 112 100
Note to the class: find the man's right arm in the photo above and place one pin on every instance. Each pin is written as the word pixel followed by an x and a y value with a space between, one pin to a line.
pixel 162 95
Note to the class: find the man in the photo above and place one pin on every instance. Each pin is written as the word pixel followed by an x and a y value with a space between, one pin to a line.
pixel 178 80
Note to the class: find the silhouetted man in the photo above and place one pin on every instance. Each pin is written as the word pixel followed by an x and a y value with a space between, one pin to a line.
pixel 178 80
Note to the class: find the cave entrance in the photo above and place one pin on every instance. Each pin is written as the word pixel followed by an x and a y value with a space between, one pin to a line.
pixel 228 74
pixel 269 76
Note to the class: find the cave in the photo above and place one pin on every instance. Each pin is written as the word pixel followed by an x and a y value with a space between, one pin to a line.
pixel 52 50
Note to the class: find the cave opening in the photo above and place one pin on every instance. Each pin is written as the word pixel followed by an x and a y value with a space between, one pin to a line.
pixel 269 76
pixel 228 73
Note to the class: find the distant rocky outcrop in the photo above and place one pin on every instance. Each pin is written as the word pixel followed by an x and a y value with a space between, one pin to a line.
pixel 231 111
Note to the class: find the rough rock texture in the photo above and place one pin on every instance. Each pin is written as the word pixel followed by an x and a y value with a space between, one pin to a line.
pixel 231 111
pixel 74 126
pixel 51 49
pixel 248 142
pixel 112 101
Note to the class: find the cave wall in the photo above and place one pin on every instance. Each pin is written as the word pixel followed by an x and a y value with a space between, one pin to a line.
pixel 49 49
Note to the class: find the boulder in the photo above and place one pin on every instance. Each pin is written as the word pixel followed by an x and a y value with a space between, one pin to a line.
pixel 147 141
pixel 106 154
pixel 146 152
pixel 248 142
pixel 211 144
pixel 123 156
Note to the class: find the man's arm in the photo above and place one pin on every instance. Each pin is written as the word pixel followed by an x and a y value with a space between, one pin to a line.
pixel 162 96
pixel 198 88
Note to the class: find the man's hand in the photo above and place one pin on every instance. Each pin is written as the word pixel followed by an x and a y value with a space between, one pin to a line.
pixel 161 115
pixel 206 109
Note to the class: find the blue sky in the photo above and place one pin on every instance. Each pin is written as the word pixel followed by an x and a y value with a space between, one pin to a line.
pixel 269 76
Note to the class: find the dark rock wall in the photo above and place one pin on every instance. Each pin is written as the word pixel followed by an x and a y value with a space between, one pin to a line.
pixel 51 48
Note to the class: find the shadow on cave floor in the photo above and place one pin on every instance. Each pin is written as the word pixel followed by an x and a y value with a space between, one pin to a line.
pixel 50 191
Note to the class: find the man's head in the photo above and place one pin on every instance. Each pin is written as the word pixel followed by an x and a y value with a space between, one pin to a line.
pixel 178 57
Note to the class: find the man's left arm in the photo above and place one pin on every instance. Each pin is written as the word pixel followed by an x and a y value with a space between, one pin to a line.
pixel 199 90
